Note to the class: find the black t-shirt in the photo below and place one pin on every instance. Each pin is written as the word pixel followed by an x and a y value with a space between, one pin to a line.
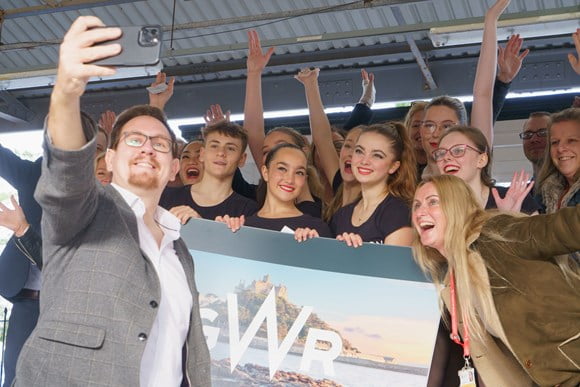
pixel 313 209
pixel 234 205
pixel 294 222
pixel 241 186
pixel 336 182
pixel 389 216
pixel 529 205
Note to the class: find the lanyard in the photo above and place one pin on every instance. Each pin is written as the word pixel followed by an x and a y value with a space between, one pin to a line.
pixel 454 331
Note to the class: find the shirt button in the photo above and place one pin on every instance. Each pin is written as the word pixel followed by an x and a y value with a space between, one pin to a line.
pixel 528 364
pixel 142 337
pixel 154 304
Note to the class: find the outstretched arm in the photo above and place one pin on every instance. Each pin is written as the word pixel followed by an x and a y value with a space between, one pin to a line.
pixel 319 124
pixel 253 105
pixel 65 158
pixel 482 110
pixel 539 237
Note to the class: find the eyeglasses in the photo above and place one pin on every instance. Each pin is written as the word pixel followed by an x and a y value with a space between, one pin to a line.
pixel 455 151
pixel 431 126
pixel 159 143
pixel 528 134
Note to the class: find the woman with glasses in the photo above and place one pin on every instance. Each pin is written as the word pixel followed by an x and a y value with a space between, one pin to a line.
pixel 444 112
pixel 463 152
pixel 559 178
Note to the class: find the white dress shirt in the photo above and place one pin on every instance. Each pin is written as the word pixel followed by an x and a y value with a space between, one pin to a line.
pixel 161 364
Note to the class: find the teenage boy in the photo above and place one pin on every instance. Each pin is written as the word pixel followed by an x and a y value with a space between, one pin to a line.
pixel 223 151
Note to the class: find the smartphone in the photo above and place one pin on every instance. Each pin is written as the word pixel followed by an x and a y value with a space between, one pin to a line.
pixel 140 46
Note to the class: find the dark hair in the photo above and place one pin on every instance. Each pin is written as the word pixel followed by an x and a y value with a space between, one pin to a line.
pixel 403 181
pixel 229 129
pixel 261 191
pixel 138 111
pixel 314 184
pixel 452 103
pixel 478 138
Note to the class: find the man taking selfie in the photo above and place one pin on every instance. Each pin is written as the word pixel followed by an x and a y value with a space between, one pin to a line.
pixel 119 304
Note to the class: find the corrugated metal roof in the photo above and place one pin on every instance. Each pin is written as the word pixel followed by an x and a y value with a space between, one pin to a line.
pixel 229 26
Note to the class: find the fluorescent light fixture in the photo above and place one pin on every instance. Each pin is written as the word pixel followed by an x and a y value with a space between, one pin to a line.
pixel 177 122
pixel 47 77
pixel 528 27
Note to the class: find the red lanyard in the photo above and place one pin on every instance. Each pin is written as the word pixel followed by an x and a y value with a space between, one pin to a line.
pixel 454 334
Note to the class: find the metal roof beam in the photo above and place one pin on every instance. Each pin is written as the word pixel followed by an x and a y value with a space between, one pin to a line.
pixel 13 110
pixel 415 50
pixel 60 6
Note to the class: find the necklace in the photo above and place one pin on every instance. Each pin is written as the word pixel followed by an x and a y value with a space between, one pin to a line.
pixel 365 214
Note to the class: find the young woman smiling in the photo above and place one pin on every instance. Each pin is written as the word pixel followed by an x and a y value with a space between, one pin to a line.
pixel 284 175
pixel 463 152
pixel 383 163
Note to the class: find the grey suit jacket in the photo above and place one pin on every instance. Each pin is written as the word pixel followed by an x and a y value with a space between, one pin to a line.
pixel 100 292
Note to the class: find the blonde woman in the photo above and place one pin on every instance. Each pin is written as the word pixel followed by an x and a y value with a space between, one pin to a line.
pixel 519 327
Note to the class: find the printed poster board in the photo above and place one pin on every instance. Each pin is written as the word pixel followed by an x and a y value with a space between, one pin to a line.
pixel 277 312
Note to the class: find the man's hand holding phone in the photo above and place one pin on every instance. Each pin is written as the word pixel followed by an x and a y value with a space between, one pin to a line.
pixel 78 50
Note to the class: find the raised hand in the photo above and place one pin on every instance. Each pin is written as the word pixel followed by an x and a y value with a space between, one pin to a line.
pixel 303 234
pixel 214 114
pixel 307 76
pixel 509 59
pixel 159 100
pixel 13 219
pixel 497 9
pixel 78 50
pixel 184 213
pixel 234 223
pixel 575 59
pixel 516 193
pixel 107 120
pixel 368 85
pixel 257 60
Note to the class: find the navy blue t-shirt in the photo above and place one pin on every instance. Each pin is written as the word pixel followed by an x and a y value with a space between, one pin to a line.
pixel 277 224
pixel 389 216
pixel 234 205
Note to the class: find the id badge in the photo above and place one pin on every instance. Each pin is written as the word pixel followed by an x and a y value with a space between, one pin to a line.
pixel 466 377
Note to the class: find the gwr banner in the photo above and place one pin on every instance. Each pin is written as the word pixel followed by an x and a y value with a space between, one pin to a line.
pixel 279 312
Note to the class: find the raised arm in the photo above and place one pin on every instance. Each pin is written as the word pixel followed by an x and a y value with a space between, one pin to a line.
pixel 160 97
pixel 482 110
pixel 575 60
pixel 539 237
pixel 509 63
pixel 25 238
pixel 253 105
pixel 67 190
pixel 319 124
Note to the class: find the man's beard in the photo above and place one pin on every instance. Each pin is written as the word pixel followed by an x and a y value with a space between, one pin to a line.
pixel 143 180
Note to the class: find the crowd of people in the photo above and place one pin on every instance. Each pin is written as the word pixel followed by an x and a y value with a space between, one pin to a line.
pixel 117 286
